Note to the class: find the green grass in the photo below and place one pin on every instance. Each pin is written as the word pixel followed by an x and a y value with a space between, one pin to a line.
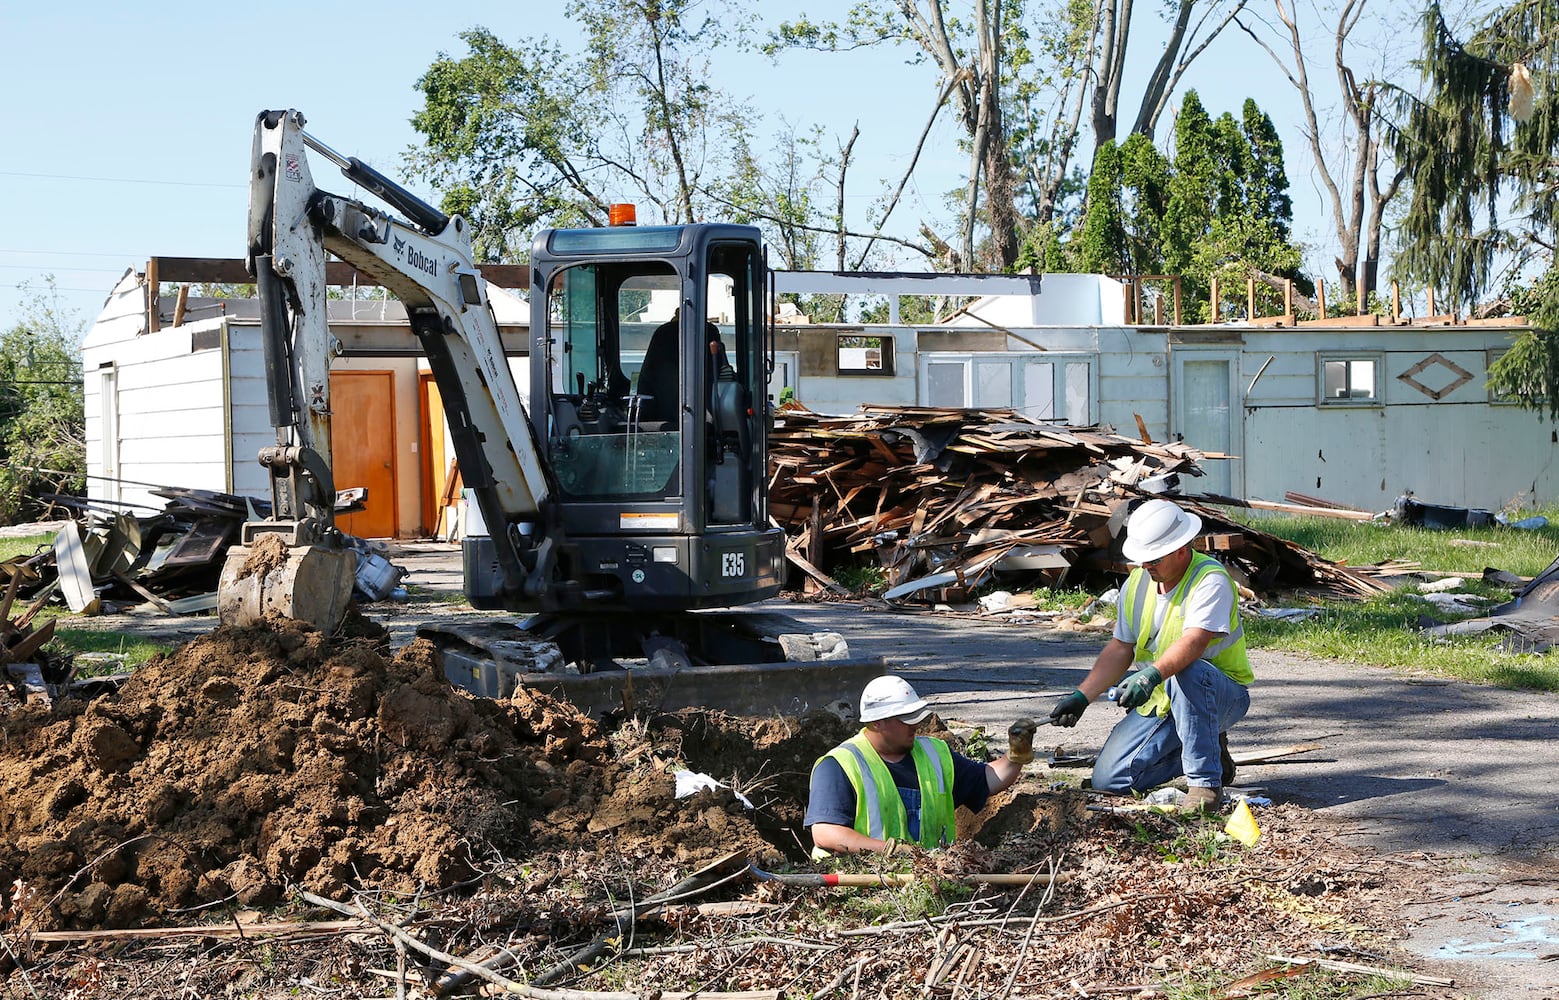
pixel 1384 630
pixel 131 651
pixel 1213 984
pixel 1355 543
pixel 1048 599
pixel 10 548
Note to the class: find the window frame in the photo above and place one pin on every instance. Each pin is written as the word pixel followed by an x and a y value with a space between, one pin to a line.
pixel 1377 395
pixel 887 348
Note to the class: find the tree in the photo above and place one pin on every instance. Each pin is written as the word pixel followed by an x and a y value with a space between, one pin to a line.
pixel 1480 143
pixel 1186 41
pixel 1467 149
pixel 1102 245
pixel 528 135
pixel 1220 206
pixel 42 435
pixel 972 58
pixel 1372 180
pixel 1020 92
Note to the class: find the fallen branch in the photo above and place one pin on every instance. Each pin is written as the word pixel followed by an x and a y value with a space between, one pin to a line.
pixel 911 925
pixel 289 928
pixel 734 865
pixel 398 934
pixel 1366 970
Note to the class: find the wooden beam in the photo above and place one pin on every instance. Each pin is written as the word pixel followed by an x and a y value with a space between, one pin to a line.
pixel 180 304
pixel 153 297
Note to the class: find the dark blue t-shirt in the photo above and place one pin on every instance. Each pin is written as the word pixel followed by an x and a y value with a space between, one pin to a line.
pixel 832 797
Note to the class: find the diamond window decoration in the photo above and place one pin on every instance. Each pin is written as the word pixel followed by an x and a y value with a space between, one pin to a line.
pixel 1458 375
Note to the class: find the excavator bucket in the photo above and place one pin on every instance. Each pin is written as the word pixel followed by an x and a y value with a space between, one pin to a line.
pixel 312 583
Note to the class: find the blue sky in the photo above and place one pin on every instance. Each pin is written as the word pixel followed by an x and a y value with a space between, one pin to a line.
pixel 128 128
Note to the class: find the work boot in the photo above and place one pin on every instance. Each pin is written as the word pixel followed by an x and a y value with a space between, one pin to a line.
pixel 1201 800
pixel 1225 758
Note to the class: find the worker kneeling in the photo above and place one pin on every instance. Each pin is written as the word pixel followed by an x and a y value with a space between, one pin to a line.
pixel 885 785
pixel 1177 623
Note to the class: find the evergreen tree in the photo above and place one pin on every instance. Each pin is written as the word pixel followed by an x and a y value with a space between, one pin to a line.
pixel 1145 177
pixel 1101 246
pixel 1480 146
pixel 1266 180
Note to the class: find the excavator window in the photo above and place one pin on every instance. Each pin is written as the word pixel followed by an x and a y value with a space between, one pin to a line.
pixel 611 436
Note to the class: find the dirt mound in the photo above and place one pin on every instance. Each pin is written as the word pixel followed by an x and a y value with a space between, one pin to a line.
pixel 263 757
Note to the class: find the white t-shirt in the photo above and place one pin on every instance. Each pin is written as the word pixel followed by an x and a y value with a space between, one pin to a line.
pixel 1208 606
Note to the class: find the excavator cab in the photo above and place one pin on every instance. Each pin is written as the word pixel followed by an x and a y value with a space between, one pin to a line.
pixel 649 361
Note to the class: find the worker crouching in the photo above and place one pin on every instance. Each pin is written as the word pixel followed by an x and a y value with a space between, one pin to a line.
pixel 1178 658
pixel 886 785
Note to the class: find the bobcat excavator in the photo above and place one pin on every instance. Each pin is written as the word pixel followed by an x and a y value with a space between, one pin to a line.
pixel 623 509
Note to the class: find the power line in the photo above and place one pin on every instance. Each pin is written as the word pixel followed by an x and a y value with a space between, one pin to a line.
pixel 58 288
pixel 69 253
pixel 33 267
pixel 117 180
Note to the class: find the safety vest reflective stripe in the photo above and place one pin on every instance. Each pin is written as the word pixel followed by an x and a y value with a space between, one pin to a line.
pixel 929 747
pixel 1227 653
pixel 867 805
pixel 879 810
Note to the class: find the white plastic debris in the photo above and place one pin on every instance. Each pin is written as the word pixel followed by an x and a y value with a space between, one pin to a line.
pixel 690 782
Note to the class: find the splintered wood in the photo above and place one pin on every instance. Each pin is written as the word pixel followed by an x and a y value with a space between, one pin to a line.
pixel 944 499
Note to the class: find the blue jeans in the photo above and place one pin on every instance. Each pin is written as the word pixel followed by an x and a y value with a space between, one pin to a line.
pixel 1144 751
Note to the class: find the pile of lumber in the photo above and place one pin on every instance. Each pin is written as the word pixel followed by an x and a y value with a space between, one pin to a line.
pixel 946 498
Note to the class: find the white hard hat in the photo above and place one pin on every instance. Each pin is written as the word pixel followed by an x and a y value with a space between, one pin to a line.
pixel 890 697
pixel 1156 529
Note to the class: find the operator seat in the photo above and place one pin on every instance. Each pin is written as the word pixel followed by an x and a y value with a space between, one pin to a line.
pixel 658 373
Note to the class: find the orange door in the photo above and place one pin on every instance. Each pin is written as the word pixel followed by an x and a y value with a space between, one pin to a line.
pixel 362 437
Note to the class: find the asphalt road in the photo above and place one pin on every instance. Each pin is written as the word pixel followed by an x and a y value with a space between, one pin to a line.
pixel 1417 763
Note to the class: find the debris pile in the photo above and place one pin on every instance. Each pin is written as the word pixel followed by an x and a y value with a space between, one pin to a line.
pixel 171 559
pixel 945 499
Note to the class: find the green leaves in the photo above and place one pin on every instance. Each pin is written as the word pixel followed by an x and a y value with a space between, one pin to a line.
pixel 1483 192
pixel 41 412
pixel 528 135
pixel 1220 206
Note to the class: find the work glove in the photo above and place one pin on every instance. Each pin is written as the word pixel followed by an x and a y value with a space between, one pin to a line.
pixel 892 846
pixel 1020 741
pixel 1135 689
pixel 1069 709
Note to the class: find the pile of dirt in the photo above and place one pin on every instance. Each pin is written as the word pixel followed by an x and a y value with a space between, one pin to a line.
pixel 255 761
pixel 261 758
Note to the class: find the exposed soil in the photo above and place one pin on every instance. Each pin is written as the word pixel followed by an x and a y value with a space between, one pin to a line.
pixel 256 762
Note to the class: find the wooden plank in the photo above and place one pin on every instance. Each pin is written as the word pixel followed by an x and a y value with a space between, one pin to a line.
pixel 1262 756
pixel 814 573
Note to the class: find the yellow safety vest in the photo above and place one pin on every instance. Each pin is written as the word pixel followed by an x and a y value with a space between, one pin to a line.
pixel 1141 603
pixel 879 812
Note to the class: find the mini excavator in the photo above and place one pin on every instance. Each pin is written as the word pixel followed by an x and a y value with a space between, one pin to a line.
pixel 625 506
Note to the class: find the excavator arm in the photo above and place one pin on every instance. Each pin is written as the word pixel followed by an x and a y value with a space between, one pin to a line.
pixel 427 264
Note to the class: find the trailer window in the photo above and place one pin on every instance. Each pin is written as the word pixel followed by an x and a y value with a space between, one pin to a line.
pixel 1350 380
